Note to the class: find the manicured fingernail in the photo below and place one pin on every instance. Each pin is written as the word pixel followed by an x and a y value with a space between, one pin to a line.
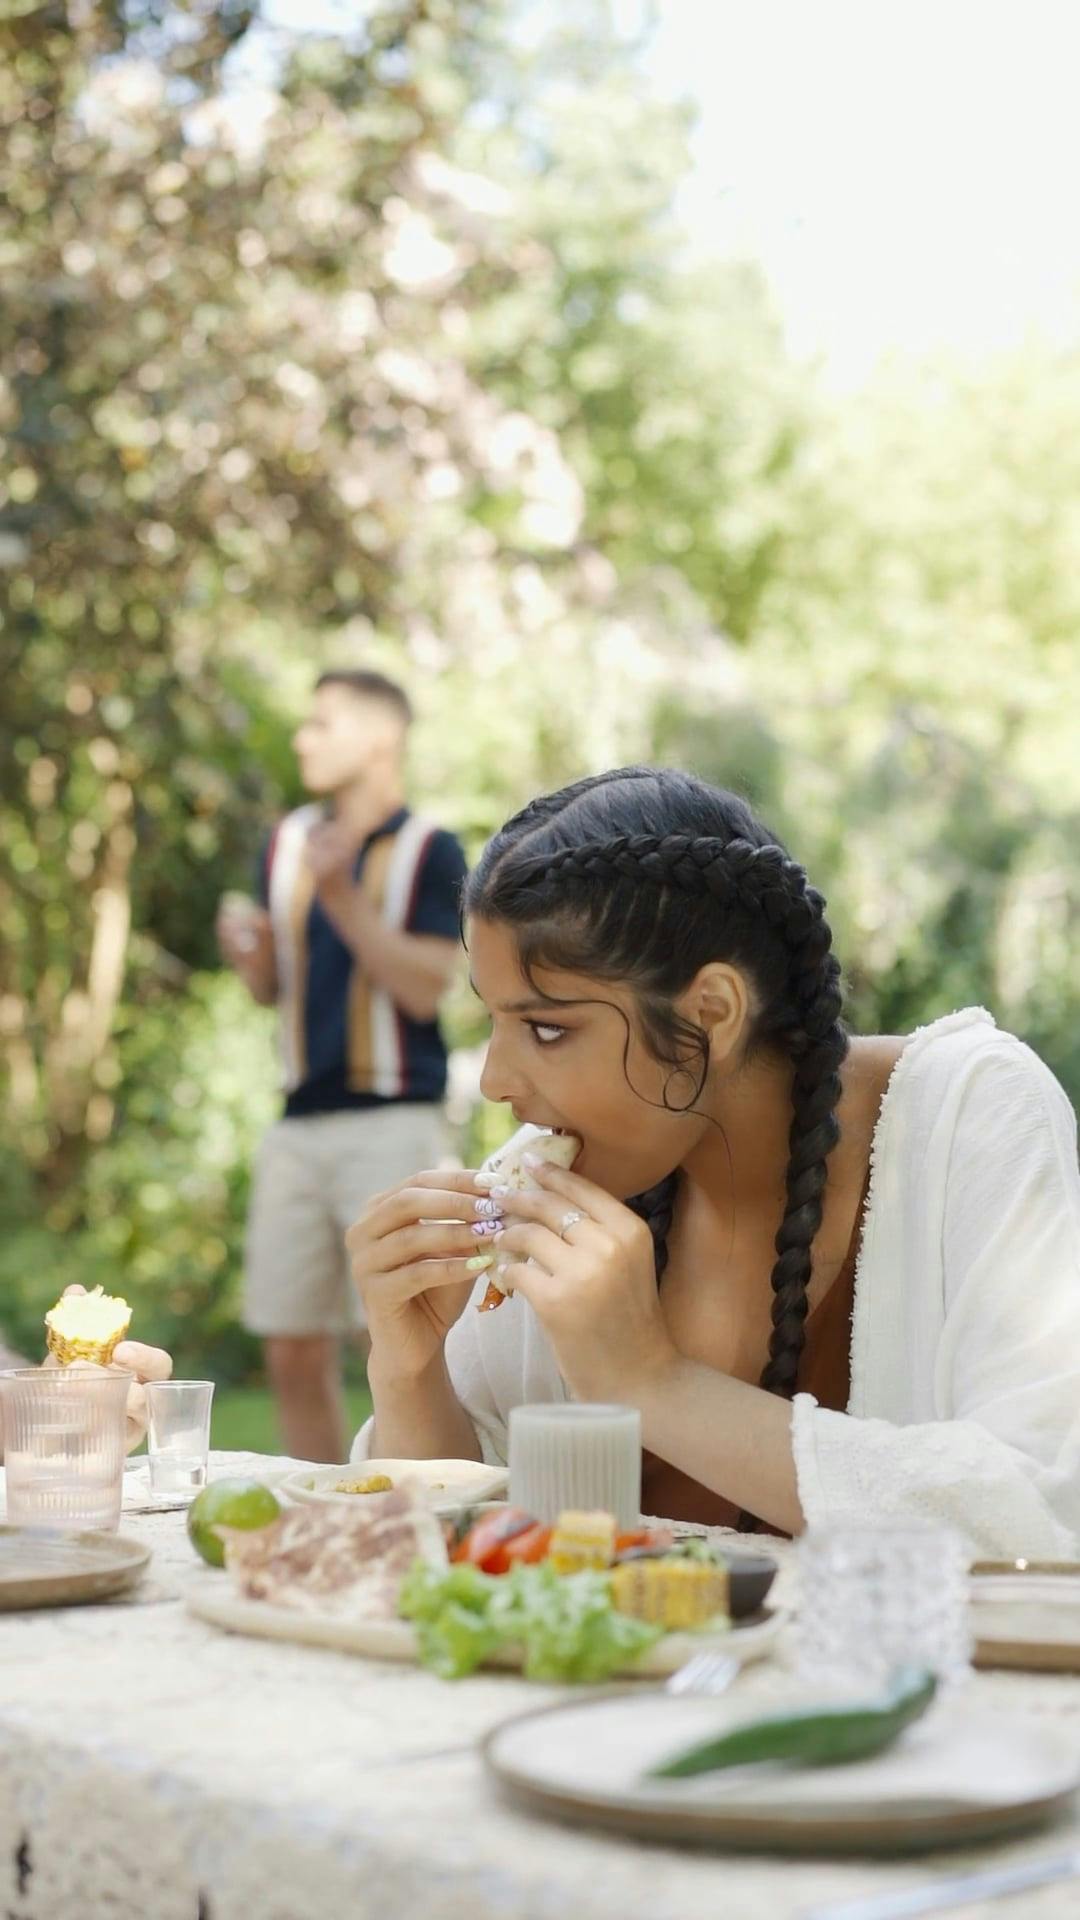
pixel 482 1227
pixel 486 1207
pixel 500 1193
pixel 532 1161
pixel 479 1261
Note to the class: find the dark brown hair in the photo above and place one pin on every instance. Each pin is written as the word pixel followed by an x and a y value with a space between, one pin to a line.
pixel 645 875
pixel 370 686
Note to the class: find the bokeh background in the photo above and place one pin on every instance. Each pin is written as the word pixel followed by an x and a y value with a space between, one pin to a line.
pixel 685 383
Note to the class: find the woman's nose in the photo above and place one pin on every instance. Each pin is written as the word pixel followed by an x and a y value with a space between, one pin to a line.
pixel 497 1080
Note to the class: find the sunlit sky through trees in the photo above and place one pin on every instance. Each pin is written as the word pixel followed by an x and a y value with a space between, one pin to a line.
pixel 905 173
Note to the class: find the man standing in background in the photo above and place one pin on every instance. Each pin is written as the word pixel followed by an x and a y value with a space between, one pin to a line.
pixel 356 941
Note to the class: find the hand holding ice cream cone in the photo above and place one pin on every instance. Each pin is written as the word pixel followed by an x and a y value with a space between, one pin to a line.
pixel 87 1330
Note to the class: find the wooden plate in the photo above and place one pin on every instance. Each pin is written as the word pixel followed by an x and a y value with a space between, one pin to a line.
pixel 1027 1615
pixel 959 1776
pixel 746 1640
pixel 49 1568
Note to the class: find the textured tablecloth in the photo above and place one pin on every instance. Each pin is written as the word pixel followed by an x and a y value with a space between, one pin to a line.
pixel 153 1768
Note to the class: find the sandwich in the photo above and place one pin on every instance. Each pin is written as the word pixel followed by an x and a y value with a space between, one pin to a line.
pixel 506 1168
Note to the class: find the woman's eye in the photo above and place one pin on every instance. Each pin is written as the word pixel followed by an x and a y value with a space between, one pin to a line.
pixel 544 1036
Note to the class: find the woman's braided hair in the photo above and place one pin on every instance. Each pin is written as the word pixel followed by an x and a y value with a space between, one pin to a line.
pixel 645 875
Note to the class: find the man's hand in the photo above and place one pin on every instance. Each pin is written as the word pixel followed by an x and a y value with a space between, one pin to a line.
pixel 246 940
pixel 331 853
pixel 414 969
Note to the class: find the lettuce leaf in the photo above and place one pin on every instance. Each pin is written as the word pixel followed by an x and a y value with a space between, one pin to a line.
pixel 449 1610
pixel 565 1623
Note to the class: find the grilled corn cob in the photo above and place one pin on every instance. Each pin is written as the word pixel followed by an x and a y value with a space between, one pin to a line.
pixel 86 1326
pixel 582 1540
pixel 670 1593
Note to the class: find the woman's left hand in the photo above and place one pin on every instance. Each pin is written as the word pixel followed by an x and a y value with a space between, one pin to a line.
pixel 590 1279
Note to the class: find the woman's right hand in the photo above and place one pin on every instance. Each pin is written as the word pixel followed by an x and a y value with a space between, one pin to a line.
pixel 410 1251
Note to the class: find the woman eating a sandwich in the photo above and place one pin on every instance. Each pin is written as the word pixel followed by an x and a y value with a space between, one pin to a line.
pixel 839 1276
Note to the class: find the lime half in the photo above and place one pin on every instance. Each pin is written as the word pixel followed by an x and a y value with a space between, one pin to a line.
pixel 228 1503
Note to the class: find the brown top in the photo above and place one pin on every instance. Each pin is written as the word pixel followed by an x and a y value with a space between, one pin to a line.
pixel 824 1371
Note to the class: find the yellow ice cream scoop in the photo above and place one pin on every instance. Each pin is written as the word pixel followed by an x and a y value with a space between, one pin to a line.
pixel 87 1326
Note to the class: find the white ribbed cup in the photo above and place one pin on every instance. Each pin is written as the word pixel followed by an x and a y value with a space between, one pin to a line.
pixel 585 1458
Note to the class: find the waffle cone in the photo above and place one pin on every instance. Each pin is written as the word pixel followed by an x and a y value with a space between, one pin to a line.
pixel 99 1351
pixel 86 1326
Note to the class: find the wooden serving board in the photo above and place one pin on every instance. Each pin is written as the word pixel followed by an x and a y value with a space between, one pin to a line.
pixel 746 1640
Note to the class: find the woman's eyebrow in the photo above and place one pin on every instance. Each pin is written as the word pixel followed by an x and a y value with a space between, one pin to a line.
pixel 527 1006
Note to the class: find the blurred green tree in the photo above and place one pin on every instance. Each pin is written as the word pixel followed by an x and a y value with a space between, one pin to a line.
pixel 411 364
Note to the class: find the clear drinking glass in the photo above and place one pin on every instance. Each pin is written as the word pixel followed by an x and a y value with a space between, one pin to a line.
pixel 178 1434
pixel 586 1457
pixel 65 1440
pixel 875 1597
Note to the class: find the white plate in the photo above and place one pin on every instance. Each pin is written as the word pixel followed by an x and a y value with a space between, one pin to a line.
pixel 449 1484
pixel 395 1639
pixel 1027 1619
pixel 960 1774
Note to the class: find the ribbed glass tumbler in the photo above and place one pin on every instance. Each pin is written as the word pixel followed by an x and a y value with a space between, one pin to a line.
pixel 65 1439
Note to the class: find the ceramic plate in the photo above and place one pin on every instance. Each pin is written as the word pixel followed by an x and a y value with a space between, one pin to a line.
pixel 395 1640
pixel 40 1568
pixel 451 1484
pixel 1028 1616
pixel 957 1776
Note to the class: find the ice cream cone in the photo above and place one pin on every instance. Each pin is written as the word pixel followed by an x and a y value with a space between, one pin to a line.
pixel 86 1326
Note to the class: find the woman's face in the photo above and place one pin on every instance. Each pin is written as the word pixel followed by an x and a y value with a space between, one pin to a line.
pixel 578 1067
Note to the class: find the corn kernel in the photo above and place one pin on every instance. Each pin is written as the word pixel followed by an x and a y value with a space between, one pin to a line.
pixel 670 1593
pixel 582 1540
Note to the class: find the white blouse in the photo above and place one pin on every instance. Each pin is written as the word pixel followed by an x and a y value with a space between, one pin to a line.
pixel 965 1337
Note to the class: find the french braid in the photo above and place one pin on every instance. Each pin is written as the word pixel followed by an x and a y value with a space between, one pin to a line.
pixel 547 805
pixel 757 880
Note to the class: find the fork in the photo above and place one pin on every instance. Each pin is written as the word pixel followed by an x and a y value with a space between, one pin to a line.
pixel 704 1672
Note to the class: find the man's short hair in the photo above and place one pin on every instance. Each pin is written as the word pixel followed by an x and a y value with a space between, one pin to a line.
pixel 371 686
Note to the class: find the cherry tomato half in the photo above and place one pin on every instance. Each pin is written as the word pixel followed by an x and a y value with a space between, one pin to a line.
pixel 643 1543
pixel 524 1550
pixel 482 1544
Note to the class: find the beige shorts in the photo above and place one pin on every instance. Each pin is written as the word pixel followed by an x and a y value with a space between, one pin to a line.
pixel 313 1177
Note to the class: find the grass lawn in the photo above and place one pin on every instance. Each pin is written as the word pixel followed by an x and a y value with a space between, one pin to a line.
pixel 244 1419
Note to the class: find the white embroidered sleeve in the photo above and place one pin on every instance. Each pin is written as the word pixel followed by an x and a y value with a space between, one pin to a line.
pixel 1002 1463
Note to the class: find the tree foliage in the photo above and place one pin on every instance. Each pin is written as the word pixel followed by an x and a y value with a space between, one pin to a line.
pixel 412 368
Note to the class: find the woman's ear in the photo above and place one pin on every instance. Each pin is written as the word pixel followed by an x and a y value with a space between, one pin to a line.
pixel 718 1000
